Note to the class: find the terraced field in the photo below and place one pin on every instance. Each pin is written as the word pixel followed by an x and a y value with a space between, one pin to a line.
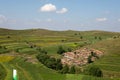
pixel 16 46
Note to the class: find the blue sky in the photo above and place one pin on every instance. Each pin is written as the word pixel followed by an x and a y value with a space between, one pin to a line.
pixel 61 14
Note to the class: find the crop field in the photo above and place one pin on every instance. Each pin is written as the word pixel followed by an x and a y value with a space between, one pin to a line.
pixel 15 45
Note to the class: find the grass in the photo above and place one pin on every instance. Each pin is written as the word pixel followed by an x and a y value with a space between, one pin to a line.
pixel 21 40
pixel 3 72
pixel 74 77
pixel 86 77
pixel 27 71
pixel 28 51
pixel 110 62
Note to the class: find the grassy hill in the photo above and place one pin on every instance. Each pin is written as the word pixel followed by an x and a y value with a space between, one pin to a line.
pixel 17 45
pixel 110 62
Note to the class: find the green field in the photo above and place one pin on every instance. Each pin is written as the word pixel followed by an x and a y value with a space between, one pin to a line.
pixel 17 45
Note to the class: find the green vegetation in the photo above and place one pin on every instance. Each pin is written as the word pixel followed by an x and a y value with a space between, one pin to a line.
pixel 94 71
pixel 19 48
pixel 49 62
pixel 65 69
pixel 3 49
pixel 61 50
pixel 3 72
pixel 72 70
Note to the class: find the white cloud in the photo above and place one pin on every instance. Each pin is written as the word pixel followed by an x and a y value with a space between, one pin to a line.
pixel 48 8
pixel 101 19
pixel 2 19
pixel 63 10
pixel 52 8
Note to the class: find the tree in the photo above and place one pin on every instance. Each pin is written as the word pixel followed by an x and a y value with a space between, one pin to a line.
pixel 42 57
pixel 81 37
pixel 60 50
pixel 94 55
pixel 89 59
pixel 0 46
pixel 75 34
pixel 69 49
pixel 100 38
pixel 65 69
pixel 39 49
pixel 50 63
pixel 62 40
pixel 59 66
pixel 95 37
pixel 94 71
pixel 72 70
pixel 8 36
pixel 43 51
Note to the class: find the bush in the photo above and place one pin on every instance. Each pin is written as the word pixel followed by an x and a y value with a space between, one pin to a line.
pixel 65 69
pixel 69 49
pixel 60 50
pixel 41 50
pixel 49 62
pixel 59 64
pixel 81 37
pixel 72 70
pixel 89 59
pixel 93 70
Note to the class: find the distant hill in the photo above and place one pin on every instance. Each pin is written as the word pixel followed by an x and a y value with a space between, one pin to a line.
pixel 45 32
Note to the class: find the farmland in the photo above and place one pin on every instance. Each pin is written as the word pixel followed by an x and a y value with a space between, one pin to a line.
pixel 17 46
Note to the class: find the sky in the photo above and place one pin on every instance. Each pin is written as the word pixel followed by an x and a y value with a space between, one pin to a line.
pixel 79 15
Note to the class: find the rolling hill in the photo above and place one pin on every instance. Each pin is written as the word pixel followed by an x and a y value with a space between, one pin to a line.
pixel 17 46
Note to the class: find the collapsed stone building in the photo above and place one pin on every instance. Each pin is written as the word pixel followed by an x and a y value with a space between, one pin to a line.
pixel 80 57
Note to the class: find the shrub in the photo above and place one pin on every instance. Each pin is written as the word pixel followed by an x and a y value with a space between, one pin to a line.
pixel 50 62
pixel 72 70
pixel 60 50
pixel 81 37
pixel 69 49
pixel 65 69
pixel 93 70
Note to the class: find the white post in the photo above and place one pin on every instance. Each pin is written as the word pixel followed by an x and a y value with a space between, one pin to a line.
pixel 14 74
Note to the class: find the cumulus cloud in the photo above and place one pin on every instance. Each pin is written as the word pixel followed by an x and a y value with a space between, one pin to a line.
pixel 48 8
pixel 2 19
pixel 63 10
pixel 101 19
pixel 52 8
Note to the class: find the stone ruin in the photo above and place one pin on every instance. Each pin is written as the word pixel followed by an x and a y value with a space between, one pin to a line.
pixel 80 57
